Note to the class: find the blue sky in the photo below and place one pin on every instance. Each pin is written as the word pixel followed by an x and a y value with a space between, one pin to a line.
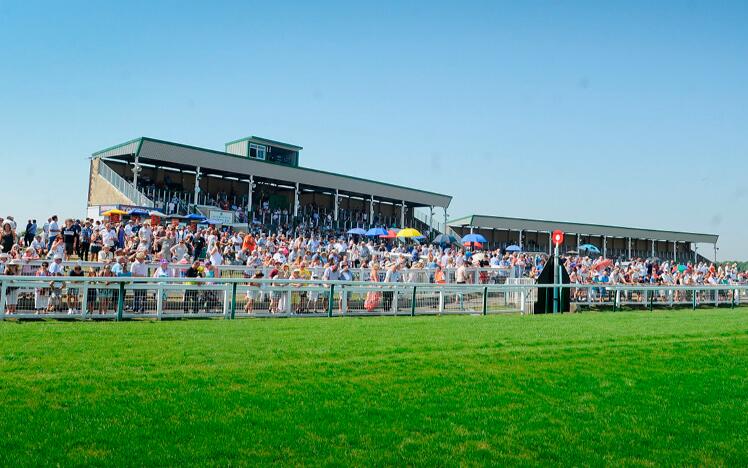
pixel 627 113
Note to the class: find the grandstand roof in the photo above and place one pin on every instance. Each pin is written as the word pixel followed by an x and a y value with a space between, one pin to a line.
pixel 180 155
pixel 500 222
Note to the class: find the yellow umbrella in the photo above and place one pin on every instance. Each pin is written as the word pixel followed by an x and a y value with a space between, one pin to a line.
pixel 409 232
pixel 114 212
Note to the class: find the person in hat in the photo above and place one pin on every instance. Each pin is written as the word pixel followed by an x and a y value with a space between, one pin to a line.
pixel 72 296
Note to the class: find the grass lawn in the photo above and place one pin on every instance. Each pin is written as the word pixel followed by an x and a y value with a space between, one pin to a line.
pixel 634 388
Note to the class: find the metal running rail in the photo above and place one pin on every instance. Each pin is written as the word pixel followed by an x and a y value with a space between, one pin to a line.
pixel 121 298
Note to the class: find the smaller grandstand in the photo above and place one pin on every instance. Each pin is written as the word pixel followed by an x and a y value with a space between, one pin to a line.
pixel 534 235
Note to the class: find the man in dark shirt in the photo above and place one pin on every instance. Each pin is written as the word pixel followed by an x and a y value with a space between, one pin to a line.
pixel 69 235
pixel 191 296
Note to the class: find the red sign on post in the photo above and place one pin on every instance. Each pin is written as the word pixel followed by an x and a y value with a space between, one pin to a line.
pixel 558 237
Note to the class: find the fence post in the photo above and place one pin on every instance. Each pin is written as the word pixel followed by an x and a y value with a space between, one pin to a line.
pixel 485 300
pixel 2 300
pixel 693 299
pixel 732 299
pixel 413 303
pixel 331 300
pixel 84 301
pixel 233 301
pixel 121 300
pixel 650 296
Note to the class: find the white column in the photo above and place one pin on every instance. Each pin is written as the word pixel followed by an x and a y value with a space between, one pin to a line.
pixel 197 183
pixel 135 171
pixel 653 248
pixel 520 238
pixel 337 204
pixel 445 220
pixel 371 211
pixel 296 201
pixel 402 215
pixel 675 250
pixel 550 243
pixel 579 242
pixel 629 248
pixel 431 219
pixel 605 246
pixel 715 252
pixel 250 214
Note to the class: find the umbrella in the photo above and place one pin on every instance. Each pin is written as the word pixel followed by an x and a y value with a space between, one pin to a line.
pixel 409 232
pixel 514 248
pixel 376 232
pixel 138 212
pixel 115 212
pixel 603 264
pixel 471 238
pixel 590 248
pixel 195 217
pixel 475 245
pixel 444 239
pixel 357 231
pixel 391 234
pixel 156 213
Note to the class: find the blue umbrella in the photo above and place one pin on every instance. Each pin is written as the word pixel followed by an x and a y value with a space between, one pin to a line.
pixel 195 217
pixel 445 239
pixel 138 212
pixel 376 232
pixel 590 248
pixel 357 231
pixel 514 248
pixel 474 239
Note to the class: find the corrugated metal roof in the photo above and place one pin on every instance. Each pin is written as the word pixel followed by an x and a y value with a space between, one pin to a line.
pixel 515 224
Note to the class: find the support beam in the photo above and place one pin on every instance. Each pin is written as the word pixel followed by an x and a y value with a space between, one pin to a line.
pixel 402 215
pixel 337 205
pixel 135 171
pixel 629 248
pixel 605 246
pixel 520 239
pixel 653 248
pixel 371 211
pixel 197 183
pixel 431 220
pixel 550 243
pixel 251 185
pixel 675 251
pixel 579 242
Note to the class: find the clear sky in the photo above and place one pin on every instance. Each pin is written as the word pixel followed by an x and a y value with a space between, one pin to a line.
pixel 627 113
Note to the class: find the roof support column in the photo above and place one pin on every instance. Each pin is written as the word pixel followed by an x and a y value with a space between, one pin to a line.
pixel 197 184
pixel 445 220
pixel 135 171
pixel 550 242
pixel 250 215
pixel 653 248
pixel 402 215
pixel 579 242
pixel 629 257
pixel 337 204
pixel 675 251
pixel 431 220
pixel 296 201
pixel 715 252
pixel 605 246
pixel 371 211
pixel 520 238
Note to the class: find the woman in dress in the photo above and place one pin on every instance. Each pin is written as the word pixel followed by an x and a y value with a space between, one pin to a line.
pixel 373 298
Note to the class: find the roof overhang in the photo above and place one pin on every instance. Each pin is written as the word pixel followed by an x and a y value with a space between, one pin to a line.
pixel 516 224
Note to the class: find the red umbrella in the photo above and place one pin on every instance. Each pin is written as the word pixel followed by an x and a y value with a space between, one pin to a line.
pixel 604 264
pixel 391 234
pixel 474 245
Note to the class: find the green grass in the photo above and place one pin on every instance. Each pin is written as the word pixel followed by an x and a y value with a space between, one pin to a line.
pixel 634 388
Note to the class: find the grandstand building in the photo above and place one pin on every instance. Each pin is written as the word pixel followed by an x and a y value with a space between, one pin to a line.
pixel 534 235
pixel 253 180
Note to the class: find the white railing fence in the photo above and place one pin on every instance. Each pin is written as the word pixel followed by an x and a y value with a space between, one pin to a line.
pixel 121 298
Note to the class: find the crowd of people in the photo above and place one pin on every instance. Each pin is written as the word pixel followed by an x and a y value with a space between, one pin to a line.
pixel 137 248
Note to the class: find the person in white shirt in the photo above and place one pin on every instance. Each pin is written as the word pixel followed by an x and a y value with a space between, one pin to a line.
pixel 139 269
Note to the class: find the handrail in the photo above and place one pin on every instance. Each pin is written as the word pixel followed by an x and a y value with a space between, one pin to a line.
pixel 127 188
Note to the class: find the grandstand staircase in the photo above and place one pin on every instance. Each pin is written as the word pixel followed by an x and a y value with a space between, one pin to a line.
pixel 124 187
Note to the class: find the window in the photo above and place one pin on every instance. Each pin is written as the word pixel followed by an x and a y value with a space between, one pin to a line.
pixel 257 151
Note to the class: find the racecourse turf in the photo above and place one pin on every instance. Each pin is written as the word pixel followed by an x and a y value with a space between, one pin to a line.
pixel 632 388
